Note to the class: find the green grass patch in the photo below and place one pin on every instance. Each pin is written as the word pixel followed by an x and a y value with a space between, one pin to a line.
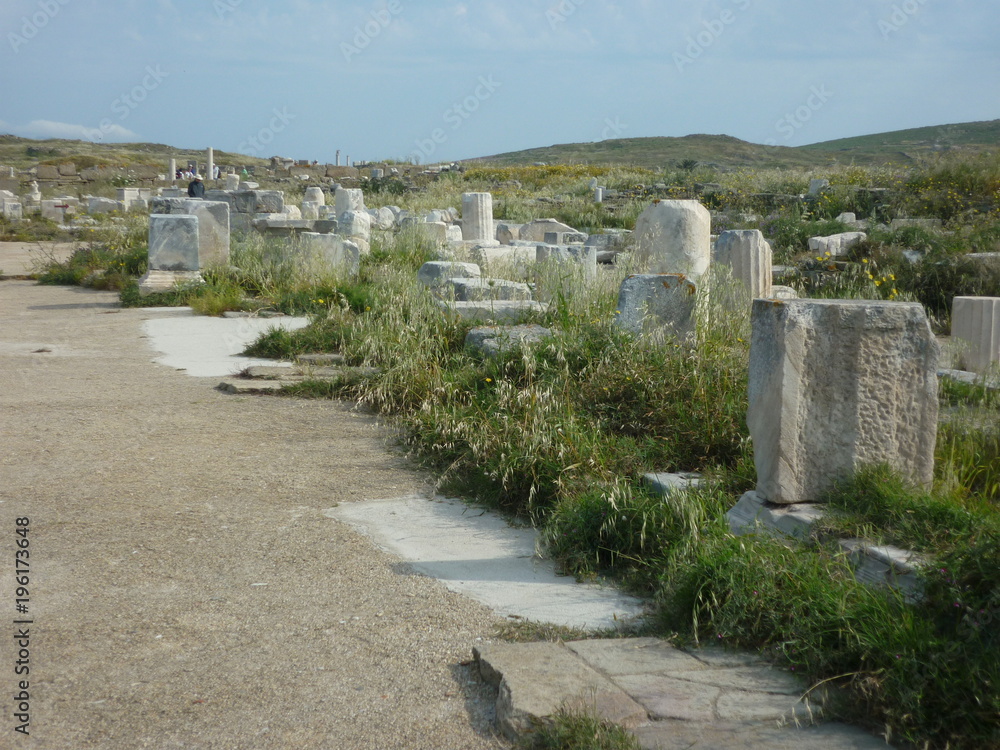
pixel 578 731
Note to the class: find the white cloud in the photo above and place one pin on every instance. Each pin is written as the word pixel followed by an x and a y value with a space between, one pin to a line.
pixel 49 129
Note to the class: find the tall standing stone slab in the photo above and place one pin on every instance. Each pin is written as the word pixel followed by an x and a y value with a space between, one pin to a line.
pixel 173 253
pixel 975 329
pixel 836 385
pixel 213 230
pixel 657 304
pixel 232 181
pixel 674 237
pixel 748 255
pixel 477 217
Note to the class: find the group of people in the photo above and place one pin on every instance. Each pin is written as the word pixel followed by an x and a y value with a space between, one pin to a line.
pixel 191 173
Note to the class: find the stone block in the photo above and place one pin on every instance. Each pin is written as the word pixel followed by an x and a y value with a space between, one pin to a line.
pixel 13 210
pixel 437 273
pixel 173 242
pixel 494 340
pixel 481 290
pixel 836 385
pixel 836 244
pixel 244 202
pixel 168 206
pixel 497 311
pixel 338 252
pixel 315 195
pixel 562 268
pixel 384 219
pixel 47 172
pixel 232 182
pixel 104 206
pixel 817 186
pixel 355 224
pixel 975 330
pixel 349 200
pixel 435 231
pixel 565 238
pixel 748 256
pixel 657 305
pixel 54 211
pixel 674 237
pixel 506 232
pixel 310 210
pixel 609 240
pixel 536 230
pixel 269 201
pixel 67 170
pixel 213 231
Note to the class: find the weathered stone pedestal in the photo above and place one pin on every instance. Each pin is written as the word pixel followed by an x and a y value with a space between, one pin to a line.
pixel 657 304
pixel 173 253
pixel 675 237
pixel 836 385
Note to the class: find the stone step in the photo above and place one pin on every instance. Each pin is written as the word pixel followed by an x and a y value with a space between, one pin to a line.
pixel 668 697
pixel 320 360
pixel 245 386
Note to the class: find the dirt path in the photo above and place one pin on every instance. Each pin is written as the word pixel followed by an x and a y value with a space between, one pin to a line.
pixel 186 589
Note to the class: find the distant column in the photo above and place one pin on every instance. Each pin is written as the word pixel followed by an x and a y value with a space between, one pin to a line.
pixel 172 170
pixel 338 157
pixel 210 167
pixel 477 217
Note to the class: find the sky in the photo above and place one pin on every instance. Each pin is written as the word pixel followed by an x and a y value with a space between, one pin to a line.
pixel 438 80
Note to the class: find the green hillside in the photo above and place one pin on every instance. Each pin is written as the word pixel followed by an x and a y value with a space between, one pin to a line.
pixel 902 147
pixel 23 153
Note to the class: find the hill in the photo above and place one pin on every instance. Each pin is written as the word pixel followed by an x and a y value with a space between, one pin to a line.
pixel 904 146
pixel 24 153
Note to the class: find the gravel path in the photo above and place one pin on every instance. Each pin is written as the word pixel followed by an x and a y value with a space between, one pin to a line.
pixel 186 588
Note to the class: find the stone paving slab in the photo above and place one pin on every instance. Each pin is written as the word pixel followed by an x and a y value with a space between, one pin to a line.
pixel 700 698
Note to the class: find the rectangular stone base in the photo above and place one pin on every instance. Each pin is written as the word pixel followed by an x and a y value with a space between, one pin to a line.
pixel 164 281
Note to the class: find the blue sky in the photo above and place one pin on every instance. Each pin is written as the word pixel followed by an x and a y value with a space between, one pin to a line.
pixel 441 80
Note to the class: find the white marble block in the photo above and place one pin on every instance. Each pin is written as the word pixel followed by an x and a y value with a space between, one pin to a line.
pixel 975 330
pixel 836 244
pixel 173 253
pixel 836 385
pixel 315 195
pixel 657 304
pixel 340 253
pixel 674 237
pixel 232 182
pixel 477 217
pixel 349 200
pixel 438 272
pixel 213 231
pixel 355 224
pixel 748 255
